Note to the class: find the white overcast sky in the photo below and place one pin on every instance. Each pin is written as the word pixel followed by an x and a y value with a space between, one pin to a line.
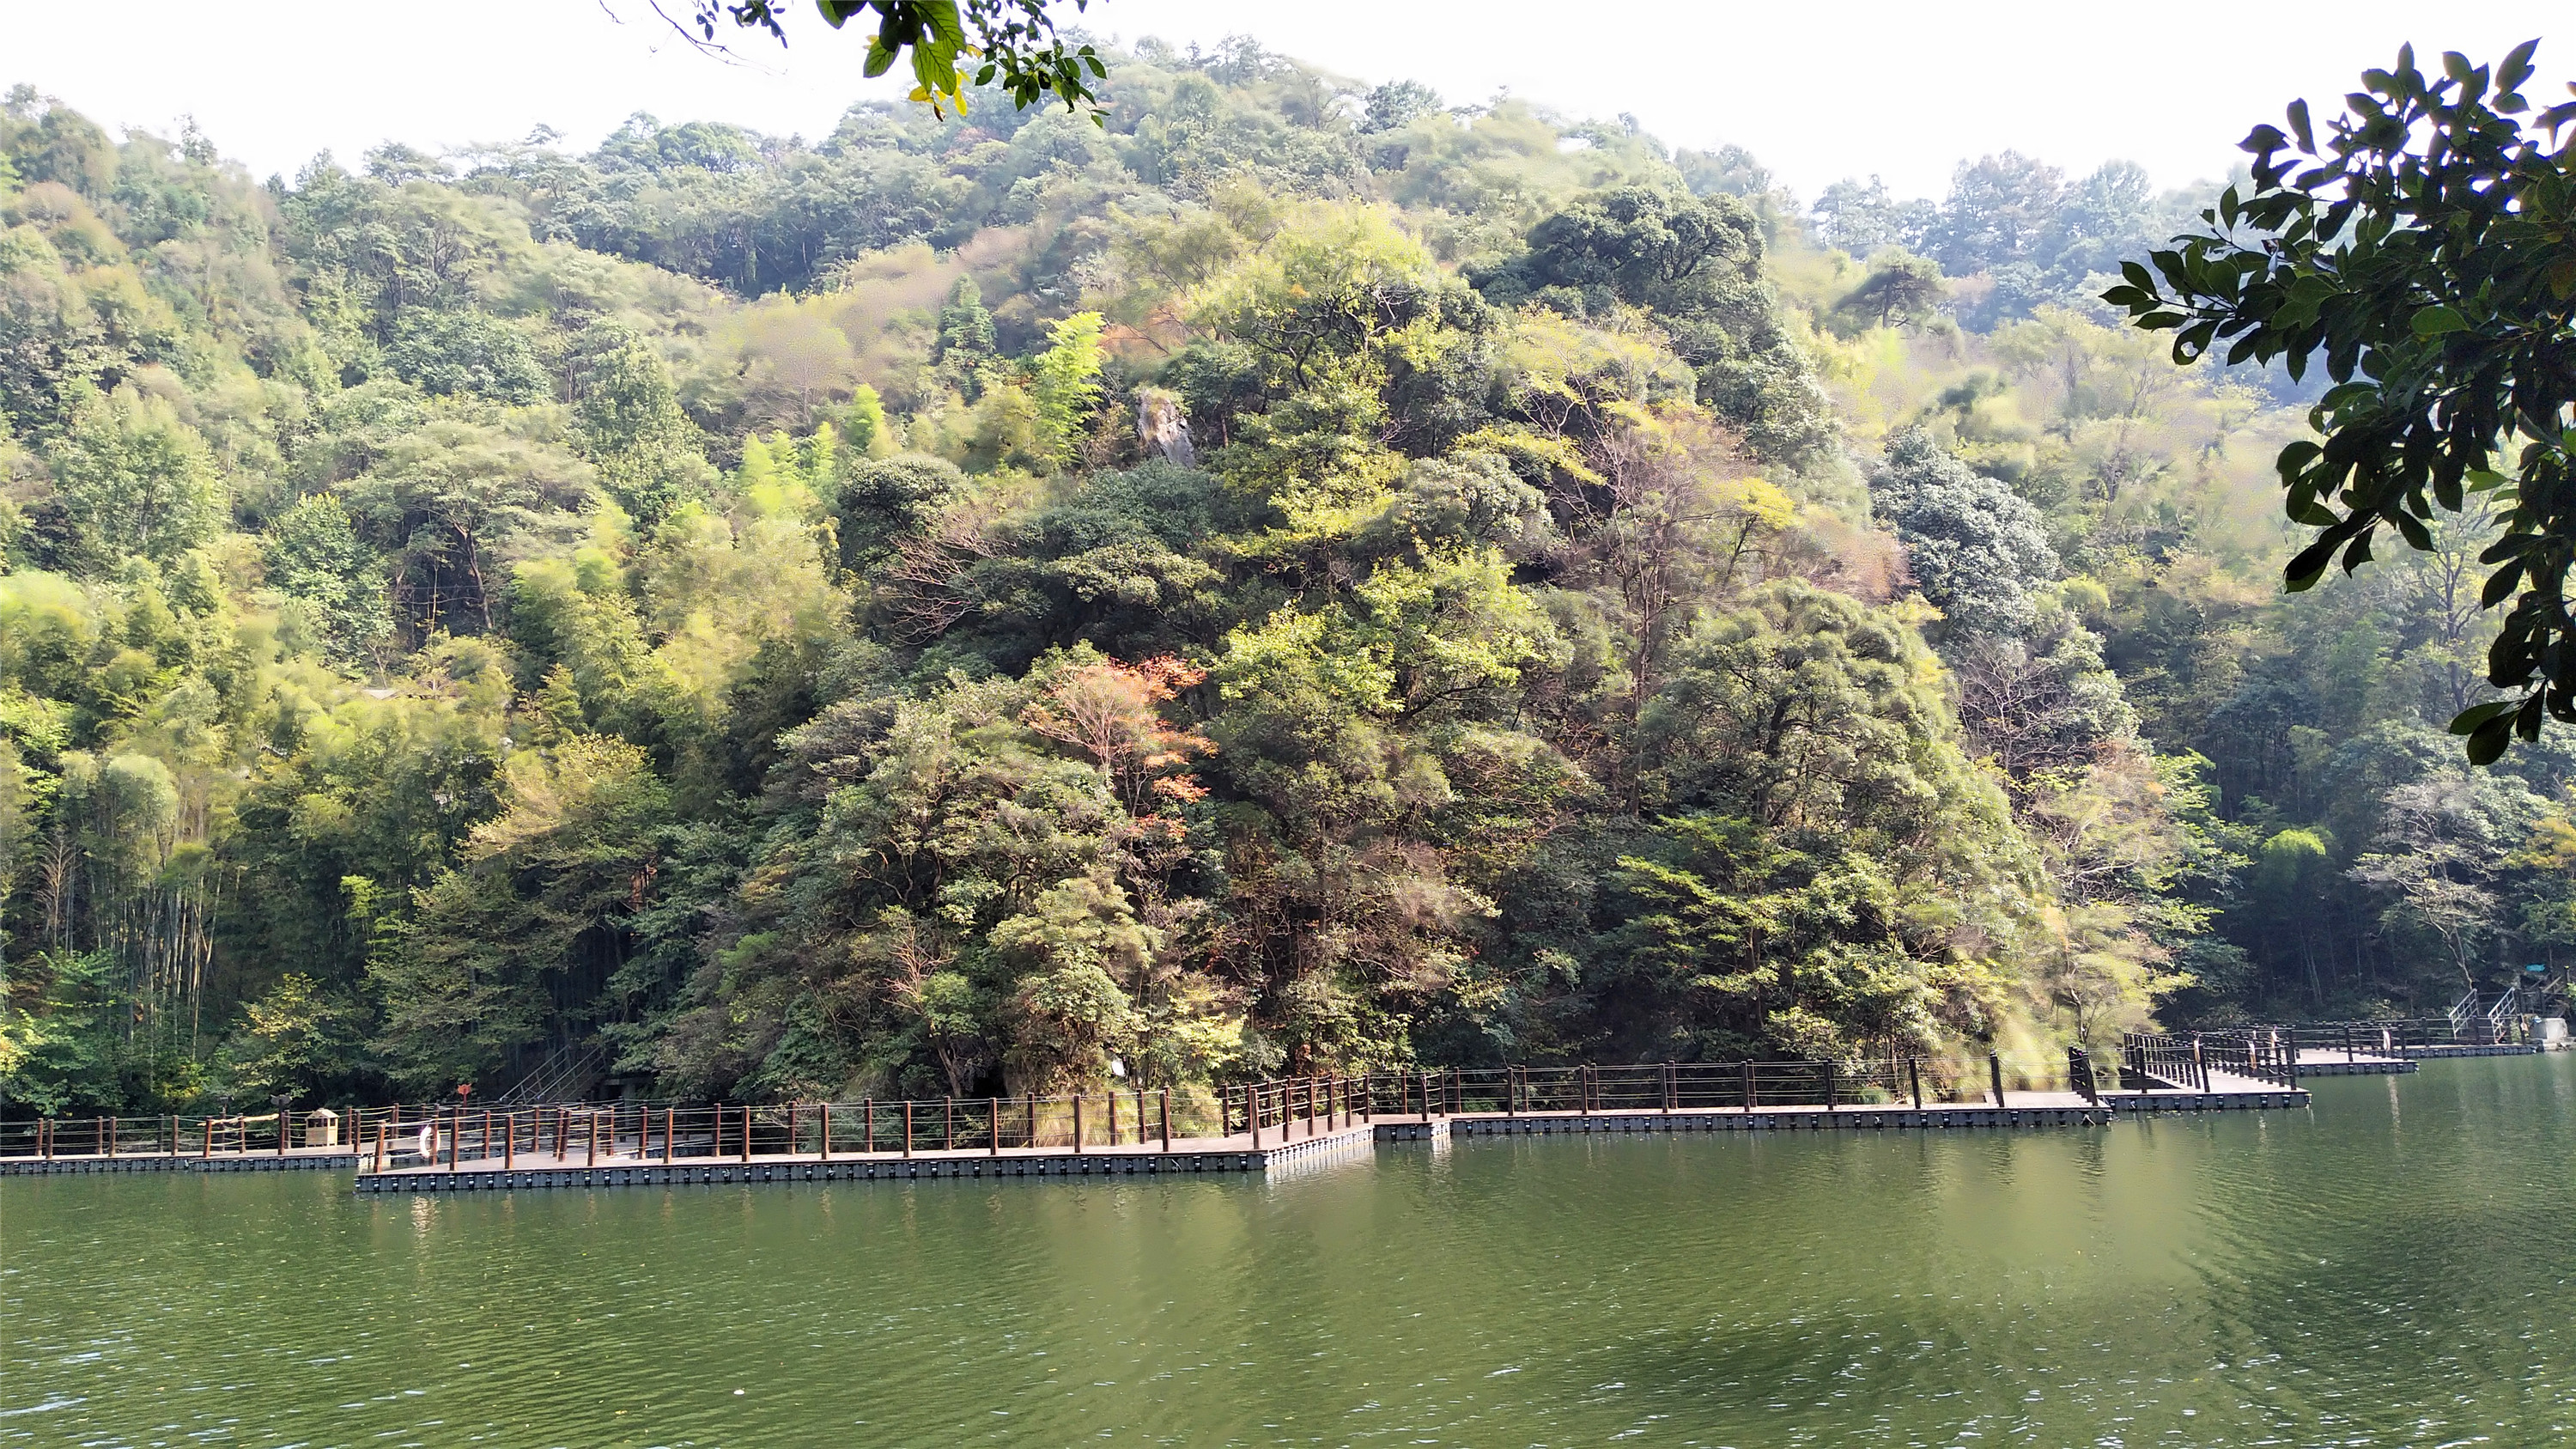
pixel 1816 91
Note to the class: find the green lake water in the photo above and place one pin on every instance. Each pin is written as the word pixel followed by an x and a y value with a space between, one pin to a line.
pixel 2389 1268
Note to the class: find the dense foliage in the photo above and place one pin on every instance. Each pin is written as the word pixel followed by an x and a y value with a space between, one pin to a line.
pixel 2421 253
pixel 1290 577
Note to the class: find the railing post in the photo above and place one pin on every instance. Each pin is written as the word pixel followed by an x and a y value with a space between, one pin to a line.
pixel 993 1124
pixel 867 1125
pixel 509 1141
pixel 1668 1089
pixel 1995 1072
pixel 107 1135
pixel 2290 1055
pixel 1252 1112
pixel 1077 1121
pixel 1914 1079
pixel 1829 1087
pixel 380 1146
pixel 1167 1119
pixel 1750 1090
pixel 907 1126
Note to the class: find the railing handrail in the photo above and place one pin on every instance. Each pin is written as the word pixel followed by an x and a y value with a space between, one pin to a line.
pixel 1029 1119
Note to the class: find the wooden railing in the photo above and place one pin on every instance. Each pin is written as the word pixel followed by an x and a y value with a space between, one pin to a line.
pixel 1261 1113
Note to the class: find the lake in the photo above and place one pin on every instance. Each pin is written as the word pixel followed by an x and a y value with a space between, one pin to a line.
pixel 2385 1269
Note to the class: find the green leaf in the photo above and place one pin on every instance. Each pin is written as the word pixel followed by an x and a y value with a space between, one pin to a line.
pixel 2500 585
pixel 2436 320
pixel 2516 67
pixel 2299 127
pixel 2488 744
pixel 2303 571
pixel 2470 720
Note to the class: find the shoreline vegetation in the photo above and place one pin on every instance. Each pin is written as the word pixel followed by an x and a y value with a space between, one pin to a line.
pixel 1298 578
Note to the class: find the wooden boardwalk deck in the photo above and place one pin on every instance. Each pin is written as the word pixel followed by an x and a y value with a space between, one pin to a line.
pixel 295 1159
pixel 1301 1148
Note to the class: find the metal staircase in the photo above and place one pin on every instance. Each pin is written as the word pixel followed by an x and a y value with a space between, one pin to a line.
pixel 561 1077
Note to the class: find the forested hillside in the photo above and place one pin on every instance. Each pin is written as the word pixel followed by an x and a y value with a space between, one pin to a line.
pixel 1298 577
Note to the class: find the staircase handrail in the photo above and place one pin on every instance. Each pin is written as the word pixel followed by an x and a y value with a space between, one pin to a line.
pixel 562 1068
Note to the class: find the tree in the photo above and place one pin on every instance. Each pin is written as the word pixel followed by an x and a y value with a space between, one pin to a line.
pixel 1900 289
pixel 1397 104
pixel 1064 382
pixel 1976 548
pixel 2440 845
pixel 2420 249
pixel 1694 263
pixel 131 478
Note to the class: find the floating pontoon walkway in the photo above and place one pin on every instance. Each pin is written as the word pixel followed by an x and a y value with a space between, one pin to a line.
pixel 1286 1147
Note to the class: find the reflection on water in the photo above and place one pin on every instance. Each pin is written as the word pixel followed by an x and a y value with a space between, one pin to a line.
pixel 2384 1270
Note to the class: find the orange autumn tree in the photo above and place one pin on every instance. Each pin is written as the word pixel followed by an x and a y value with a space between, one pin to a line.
pixel 1113 712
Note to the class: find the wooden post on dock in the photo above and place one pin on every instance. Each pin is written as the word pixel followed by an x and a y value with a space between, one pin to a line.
pixel 1252 1111
pixel 1995 1073
pixel 1750 1090
pixel 993 1123
pixel 823 1132
pixel 380 1146
pixel 746 1131
pixel 1829 1087
pixel 1914 1079
pixel 509 1141
pixel 670 1120
pixel 1112 1095
pixel 2290 1054
pixel 107 1139
pixel 1077 1121
pixel 1668 1089
pixel 907 1126
pixel 1167 1119
pixel 948 1124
